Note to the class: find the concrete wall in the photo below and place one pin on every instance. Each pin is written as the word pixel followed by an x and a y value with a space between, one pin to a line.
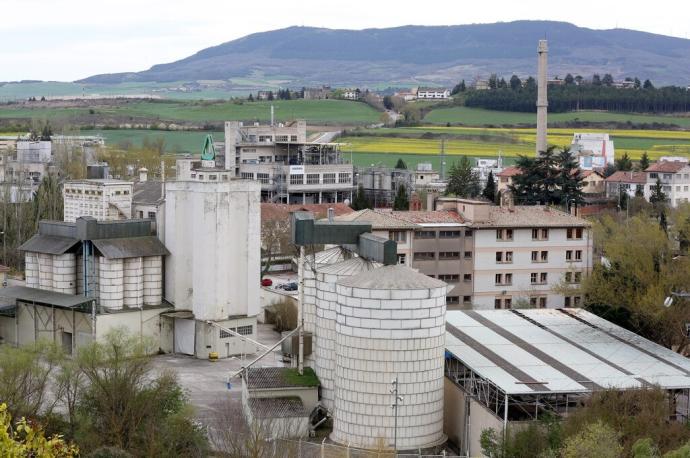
pixel 8 334
pixel 47 323
pixel 213 234
pixel 208 338
pixel 148 322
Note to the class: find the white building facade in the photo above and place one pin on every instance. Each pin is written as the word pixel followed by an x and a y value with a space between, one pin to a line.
pixel 593 150
pixel 674 177
pixel 105 200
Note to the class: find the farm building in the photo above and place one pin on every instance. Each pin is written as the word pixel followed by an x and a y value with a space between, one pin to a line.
pixel 507 367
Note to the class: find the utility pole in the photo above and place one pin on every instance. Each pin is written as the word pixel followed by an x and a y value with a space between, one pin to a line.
pixel 300 312
pixel 396 400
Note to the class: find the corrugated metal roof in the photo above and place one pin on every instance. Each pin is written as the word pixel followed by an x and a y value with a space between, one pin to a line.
pixel 378 220
pixel 350 267
pixel 42 297
pixel 48 244
pixel 567 350
pixel 279 377
pixel 131 247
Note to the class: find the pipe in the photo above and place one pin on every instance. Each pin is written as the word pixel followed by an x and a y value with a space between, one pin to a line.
pixel 300 312
pixel 261 356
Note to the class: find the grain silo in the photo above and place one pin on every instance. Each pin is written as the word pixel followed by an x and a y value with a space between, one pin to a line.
pixel 311 264
pixel 390 322
pixel 326 300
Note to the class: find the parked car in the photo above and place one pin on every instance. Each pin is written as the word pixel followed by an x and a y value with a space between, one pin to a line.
pixel 291 286
pixel 266 282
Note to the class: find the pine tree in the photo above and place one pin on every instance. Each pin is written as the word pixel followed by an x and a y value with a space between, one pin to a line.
pixel 463 181
pixel 569 183
pixel 658 197
pixel 360 202
pixel 400 164
pixel 490 189
pixel 250 98
pixel 624 163
pixel 401 202
pixel 644 162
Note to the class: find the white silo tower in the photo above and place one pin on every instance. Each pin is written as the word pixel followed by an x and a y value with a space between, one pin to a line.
pixel 326 301
pixel 390 322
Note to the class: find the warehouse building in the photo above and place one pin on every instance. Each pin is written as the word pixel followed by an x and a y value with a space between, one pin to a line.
pixel 506 368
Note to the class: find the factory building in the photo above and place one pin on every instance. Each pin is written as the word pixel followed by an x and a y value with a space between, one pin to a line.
pixel 212 229
pixel 505 369
pixel 103 199
pixel 85 278
pixel 290 169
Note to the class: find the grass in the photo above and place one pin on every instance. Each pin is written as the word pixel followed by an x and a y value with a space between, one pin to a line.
pixel 308 378
pixel 480 117
pixel 176 142
pixel 314 111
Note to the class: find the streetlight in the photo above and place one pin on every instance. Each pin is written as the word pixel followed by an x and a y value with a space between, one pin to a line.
pixel 396 399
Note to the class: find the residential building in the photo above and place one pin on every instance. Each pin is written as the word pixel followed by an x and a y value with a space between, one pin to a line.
pixel 674 177
pixel 352 94
pixel 425 175
pixel 103 199
pixel 505 178
pixel 290 169
pixel 592 183
pixel 593 150
pixel 317 93
pixel 381 183
pixel 480 85
pixel 629 182
pixel 432 93
pixel 407 95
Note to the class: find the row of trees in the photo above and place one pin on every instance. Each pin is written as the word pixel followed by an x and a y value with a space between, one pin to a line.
pixel 108 399
pixel 611 424
pixel 582 97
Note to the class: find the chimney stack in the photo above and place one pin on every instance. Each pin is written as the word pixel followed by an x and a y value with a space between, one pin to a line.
pixel 143 174
pixel 542 100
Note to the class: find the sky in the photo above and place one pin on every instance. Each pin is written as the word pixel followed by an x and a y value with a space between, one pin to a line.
pixel 70 39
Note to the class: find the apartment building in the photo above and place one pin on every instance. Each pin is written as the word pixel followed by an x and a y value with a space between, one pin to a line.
pixel 627 182
pixel 291 169
pixel 105 200
pixel 491 256
pixel 674 176
pixel 432 93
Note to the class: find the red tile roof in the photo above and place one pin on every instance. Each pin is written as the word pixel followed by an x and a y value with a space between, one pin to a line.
pixel 509 172
pixel 666 166
pixel 627 177
pixel 429 217
pixel 272 212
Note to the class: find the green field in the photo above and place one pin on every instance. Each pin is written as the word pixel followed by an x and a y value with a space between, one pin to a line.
pixel 199 112
pixel 175 142
pixel 480 117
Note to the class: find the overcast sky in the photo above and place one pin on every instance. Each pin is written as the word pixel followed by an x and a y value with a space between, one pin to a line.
pixel 70 39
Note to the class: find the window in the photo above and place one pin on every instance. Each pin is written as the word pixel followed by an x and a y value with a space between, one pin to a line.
pixel 424 256
pixel 468 232
pixel 499 279
pixel 504 279
pixel 281 138
pixel 468 255
pixel 504 234
pixel 425 234
pixel 466 299
pixel 262 177
pixel 568 277
pixel 247 175
pixel 499 256
pixel 542 277
pixel 312 178
pixel 544 256
pixel 265 138
pixel 574 233
pixel 576 301
pixel 538 301
pixel 446 255
pixel 452 300
pixel 449 278
pixel 572 301
pixel 577 277
pixel 141 214
pixel 540 234
pixel 449 234
pixel 344 178
pixel 497 303
pixel 508 279
pixel 578 255
pixel 297 179
pixel 535 256
pixel 507 303
pixel 569 255
pixel 398 236
pixel 402 259
pixel 509 257
pixel 328 178
pixel 467 277
pixel 537 278
pixel 213 177
pixel 152 215
pixel 668 176
pixel 245 330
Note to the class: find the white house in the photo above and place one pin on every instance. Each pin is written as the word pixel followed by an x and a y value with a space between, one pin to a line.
pixel 432 93
pixel 674 177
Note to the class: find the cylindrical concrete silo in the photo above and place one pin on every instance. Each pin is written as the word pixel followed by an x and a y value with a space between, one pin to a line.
pixel 312 263
pixel 326 300
pixel 111 282
pixel 390 323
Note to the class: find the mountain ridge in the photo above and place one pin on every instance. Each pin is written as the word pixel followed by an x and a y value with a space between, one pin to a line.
pixel 428 54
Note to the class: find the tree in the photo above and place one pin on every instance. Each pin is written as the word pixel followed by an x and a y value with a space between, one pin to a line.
pixel 647 85
pixel 493 81
pixel 275 239
pixel 360 202
pixel 400 164
pixel 530 84
pixel 489 191
pixel 569 180
pixel 460 87
pixel 270 95
pixel 502 84
pixel 250 98
pixel 658 197
pixel 48 202
pixel 596 80
pixel 637 83
pixel 644 162
pixel 607 80
pixel 462 180
pixel 388 102
pixel 569 80
pixel 27 439
pixel 515 83
pixel 548 179
pixel 401 202
pixel 624 163
pixel 598 439
pixel 609 170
